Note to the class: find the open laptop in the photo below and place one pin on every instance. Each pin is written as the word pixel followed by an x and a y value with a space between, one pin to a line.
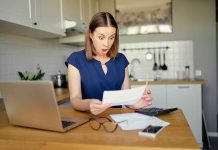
pixel 33 104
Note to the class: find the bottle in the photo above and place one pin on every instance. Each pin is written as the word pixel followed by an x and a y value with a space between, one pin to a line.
pixel 187 72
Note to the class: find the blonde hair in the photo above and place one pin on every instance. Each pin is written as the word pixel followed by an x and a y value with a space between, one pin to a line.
pixel 101 19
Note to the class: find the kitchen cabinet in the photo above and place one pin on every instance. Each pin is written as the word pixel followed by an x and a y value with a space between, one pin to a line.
pixel 188 98
pixel 158 95
pixel 19 11
pixel 80 11
pixel 107 5
pixel 43 15
pixel 49 16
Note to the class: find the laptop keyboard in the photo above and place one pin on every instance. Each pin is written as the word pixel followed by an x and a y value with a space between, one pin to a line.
pixel 154 111
pixel 67 123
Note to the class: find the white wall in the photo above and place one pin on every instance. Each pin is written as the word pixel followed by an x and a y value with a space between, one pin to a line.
pixel 19 53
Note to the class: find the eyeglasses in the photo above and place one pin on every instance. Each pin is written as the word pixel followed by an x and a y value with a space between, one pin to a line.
pixel 108 124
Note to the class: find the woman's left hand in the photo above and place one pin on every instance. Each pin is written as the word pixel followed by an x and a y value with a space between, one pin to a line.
pixel 145 101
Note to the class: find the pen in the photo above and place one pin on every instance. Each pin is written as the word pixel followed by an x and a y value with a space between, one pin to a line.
pixel 146 85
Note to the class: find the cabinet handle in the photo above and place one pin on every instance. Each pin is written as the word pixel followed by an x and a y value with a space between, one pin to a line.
pixel 35 23
pixel 183 87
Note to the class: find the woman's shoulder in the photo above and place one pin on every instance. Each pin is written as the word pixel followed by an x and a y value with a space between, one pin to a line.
pixel 77 54
pixel 120 56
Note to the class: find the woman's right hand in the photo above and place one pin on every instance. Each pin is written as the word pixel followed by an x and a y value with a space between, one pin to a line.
pixel 96 107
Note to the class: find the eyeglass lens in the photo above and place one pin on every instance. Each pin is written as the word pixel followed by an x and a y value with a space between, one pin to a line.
pixel 107 124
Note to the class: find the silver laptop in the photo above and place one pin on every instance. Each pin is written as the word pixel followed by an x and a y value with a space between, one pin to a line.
pixel 33 104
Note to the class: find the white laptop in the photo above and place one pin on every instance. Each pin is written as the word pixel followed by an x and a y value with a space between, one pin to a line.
pixel 33 104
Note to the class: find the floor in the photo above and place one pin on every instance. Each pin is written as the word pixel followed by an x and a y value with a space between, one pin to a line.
pixel 213 144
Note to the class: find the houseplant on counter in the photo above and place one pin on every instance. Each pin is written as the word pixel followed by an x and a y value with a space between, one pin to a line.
pixel 27 75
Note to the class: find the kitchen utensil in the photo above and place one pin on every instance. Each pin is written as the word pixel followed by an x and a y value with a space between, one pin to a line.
pixel 164 67
pixel 59 80
pixel 160 66
pixel 155 63
pixel 148 55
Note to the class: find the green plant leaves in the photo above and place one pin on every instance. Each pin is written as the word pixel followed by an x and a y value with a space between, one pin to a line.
pixel 31 76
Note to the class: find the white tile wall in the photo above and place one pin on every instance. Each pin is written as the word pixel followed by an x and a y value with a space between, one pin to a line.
pixel 20 54
pixel 179 55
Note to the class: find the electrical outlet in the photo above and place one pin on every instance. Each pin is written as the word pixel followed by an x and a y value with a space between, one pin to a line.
pixel 198 73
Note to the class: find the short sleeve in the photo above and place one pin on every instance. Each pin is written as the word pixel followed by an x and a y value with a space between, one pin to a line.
pixel 73 59
pixel 123 60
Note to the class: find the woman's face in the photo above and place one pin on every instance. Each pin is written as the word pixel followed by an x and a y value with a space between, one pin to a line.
pixel 103 38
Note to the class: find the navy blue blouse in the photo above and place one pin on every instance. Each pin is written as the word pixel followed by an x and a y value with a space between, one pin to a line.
pixel 93 79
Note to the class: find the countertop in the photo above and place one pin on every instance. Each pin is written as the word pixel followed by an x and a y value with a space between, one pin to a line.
pixel 173 81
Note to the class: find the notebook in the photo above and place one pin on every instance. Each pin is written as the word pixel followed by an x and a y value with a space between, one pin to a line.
pixel 33 104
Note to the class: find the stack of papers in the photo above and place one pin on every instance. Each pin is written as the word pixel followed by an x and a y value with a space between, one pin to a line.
pixel 123 97
pixel 134 121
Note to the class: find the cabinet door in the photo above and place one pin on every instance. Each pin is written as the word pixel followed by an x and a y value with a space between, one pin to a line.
pixel 18 11
pixel 107 5
pixel 188 98
pixel 48 16
pixel 90 8
pixel 158 94
pixel 73 10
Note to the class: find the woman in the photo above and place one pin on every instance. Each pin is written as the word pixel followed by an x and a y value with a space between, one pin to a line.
pixel 99 67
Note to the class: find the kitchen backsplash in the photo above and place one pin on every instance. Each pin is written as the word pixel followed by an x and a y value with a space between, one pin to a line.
pixel 178 54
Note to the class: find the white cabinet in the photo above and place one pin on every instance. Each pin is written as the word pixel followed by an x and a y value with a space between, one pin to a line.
pixel 107 5
pixel 80 11
pixel 44 15
pixel 188 98
pixel 49 16
pixel 91 8
pixel 19 11
pixel 73 10
pixel 158 94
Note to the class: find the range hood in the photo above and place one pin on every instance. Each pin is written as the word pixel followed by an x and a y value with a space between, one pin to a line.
pixel 75 33
pixel 75 39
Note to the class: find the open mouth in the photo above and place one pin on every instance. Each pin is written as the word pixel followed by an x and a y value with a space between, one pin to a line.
pixel 104 50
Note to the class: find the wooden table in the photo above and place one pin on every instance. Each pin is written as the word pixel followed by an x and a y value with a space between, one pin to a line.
pixel 177 135
pixel 62 94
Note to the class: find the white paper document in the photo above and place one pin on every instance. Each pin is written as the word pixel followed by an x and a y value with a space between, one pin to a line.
pixel 123 97
pixel 133 121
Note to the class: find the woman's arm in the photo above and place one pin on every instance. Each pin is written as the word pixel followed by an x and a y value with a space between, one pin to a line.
pixel 75 89
pixel 94 105
pixel 126 82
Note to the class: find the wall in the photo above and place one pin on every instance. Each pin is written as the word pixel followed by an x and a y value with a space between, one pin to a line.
pixel 178 54
pixel 19 53
pixel 195 20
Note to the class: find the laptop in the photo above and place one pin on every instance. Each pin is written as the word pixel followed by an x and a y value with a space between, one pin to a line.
pixel 33 104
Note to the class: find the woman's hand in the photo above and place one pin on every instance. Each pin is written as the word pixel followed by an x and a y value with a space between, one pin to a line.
pixel 96 106
pixel 145 101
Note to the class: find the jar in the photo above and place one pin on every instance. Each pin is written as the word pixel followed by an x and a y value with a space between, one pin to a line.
pixel 187 72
